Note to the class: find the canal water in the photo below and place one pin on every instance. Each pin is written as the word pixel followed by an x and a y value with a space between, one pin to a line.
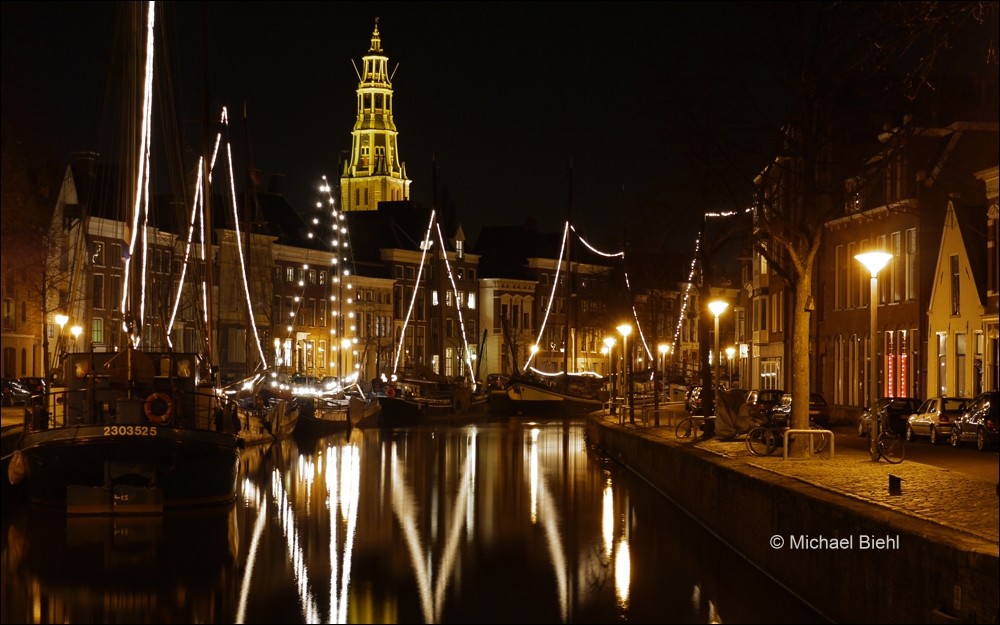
pixel 509 521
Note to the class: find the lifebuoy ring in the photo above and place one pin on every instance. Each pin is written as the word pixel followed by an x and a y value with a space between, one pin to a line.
pixel 159 407
pixel 390 391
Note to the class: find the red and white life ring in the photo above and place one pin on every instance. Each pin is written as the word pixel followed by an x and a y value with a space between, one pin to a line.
pixel 390 391
pixel 159 407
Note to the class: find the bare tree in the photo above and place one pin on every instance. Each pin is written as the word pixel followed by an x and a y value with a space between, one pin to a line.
pixel 770 124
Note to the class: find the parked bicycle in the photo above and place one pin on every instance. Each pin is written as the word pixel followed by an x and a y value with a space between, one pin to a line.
pixel 764 439
pixel 890 444
pixel 688 427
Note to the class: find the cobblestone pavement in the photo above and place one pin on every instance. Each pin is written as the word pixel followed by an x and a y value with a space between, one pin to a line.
pixel 957 501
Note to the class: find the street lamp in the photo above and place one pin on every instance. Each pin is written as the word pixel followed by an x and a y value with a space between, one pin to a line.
pixel 625 329
pixel 75 331
pixel 61 320
pixel 873 262
pixel 717 307
pixel 609 343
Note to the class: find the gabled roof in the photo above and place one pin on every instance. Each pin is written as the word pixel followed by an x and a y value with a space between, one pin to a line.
pixel 972 225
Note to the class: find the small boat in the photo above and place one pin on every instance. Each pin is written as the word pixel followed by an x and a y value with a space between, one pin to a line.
pixel 329 415
pixel 558 394
pixel 533 392
pixel 417 394
pixel 266 408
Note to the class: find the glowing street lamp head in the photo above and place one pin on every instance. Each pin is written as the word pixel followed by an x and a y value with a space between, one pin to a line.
pixel 874 261
pixel 76 331
pixel 624 329
pixel 730 352
pixel 62 320
pixel 718 307
pixel 663 348
pixel 534 349
pixel 609 342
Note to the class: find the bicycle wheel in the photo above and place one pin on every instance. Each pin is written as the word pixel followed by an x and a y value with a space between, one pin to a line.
pixel 891 447
pixel 685 429
pixel 761 441
pixel 818 441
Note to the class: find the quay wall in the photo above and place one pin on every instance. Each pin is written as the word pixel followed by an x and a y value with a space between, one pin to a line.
pixel 936 575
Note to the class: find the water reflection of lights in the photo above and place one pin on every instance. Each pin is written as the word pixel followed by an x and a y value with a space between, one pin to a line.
pixel 258 529
pixel 620 557
pixel 342 478
pixel 348 495
pixel 623 572
pixel 608 519
pixel 541 499
pixel 430 587
pixel 696 599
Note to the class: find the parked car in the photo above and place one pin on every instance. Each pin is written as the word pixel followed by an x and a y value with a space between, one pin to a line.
pixel 34 385
pixel 978 422
pixel 14 392
pixel 934 418
pixel 892 410
pixel 759 403
pixel 819 410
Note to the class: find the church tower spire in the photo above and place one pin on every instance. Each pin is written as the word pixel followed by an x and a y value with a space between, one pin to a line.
pixel 373 172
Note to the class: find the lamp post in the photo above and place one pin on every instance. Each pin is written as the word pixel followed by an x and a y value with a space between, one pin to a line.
pixel 76 331
pixel 625 329
pixel 61 320
pixel 730 352
pixel 873 262
pixel 609 343
pixel 663 348
pixel 717 307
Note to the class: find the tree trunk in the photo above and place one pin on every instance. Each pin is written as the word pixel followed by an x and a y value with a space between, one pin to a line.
pixel 799 447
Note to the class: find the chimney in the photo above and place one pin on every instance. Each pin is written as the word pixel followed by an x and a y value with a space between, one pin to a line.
pixel 84 163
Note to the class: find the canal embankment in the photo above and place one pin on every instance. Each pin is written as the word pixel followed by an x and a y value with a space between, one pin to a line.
pixel 828 529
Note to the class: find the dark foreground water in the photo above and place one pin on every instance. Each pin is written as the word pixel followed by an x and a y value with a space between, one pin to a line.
pixel 503 522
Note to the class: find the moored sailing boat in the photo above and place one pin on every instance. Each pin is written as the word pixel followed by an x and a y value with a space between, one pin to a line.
pixel 138 426
pixel 415 392
pixel 534 392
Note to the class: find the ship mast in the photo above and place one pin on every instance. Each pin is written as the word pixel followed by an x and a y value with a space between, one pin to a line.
pixel 569 342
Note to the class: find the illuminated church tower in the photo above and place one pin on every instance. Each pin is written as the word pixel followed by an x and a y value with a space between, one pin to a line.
pixel 373 173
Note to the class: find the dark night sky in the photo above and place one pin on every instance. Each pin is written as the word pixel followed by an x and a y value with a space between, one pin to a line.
pixel 501 97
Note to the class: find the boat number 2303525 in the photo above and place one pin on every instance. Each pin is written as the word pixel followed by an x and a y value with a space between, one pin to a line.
pixel 129 430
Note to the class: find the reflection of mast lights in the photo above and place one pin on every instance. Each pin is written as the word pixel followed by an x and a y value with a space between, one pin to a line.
pixel 541 499
pixel 608 519
pixel 430 588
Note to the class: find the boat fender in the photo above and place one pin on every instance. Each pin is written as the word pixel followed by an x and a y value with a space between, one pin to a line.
pixel 390 391
pixel 17 469
pixel 159 407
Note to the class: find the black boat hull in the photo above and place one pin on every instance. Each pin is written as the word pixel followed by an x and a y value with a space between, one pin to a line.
pixel 101 469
